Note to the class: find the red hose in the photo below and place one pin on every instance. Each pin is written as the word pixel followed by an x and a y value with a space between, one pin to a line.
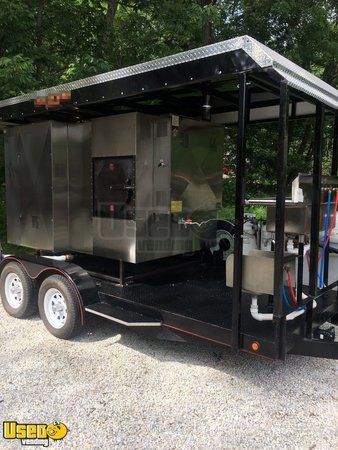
pixel 290 284
pixel 333 219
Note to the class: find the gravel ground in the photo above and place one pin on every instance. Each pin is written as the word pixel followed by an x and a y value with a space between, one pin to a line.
pixel 116 389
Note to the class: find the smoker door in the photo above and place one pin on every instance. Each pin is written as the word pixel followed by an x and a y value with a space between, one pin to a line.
pixel 114 187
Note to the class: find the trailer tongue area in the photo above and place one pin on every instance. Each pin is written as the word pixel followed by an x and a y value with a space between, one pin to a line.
pixel 116 183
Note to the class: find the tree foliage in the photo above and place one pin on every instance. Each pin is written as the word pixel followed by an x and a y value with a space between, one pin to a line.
pixel 45 42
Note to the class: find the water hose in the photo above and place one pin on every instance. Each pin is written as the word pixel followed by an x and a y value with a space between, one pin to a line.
pixel 290 284
pixel 325 240
pixel 333 219
pixel 285 297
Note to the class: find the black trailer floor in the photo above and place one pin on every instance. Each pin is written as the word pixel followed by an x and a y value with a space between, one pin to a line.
pixel 203 299
pixel 198 292
pixel 197 298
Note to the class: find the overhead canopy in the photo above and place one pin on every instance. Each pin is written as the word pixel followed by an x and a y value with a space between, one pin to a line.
pixel 177 84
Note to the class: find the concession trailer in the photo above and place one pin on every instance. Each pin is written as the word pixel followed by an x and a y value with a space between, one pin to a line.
pixel 116 181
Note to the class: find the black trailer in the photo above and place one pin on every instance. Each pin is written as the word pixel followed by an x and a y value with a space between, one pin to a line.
pixel 115 182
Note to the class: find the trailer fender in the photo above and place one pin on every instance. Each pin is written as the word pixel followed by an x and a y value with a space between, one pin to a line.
pixel 39 268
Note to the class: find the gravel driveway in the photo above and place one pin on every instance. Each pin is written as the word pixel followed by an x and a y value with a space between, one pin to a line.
pixel 116 389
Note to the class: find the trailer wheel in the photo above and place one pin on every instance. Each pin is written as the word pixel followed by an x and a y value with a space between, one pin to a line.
pixel 59 307
pixel 17 291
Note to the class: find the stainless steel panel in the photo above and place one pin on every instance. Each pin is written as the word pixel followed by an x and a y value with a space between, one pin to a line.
pixel 162 165
pixel 59 186
pixel 297 218
pixel 29 196
pixel 302 184
pixel 158 237
pixel 258 271
pixel 144 164
pixel 197 163
pixel 80 188
pixel 48 176
pixel 114 135
pixel 115 238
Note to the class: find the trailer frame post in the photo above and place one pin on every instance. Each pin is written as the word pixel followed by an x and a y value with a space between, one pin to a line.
pixel 315 212
pixel 334 166
pixel 300 268
pixel 327 260
pixel 334 169
pixel 282 162
pixel 243 116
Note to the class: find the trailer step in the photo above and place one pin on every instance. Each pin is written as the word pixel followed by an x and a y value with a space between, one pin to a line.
pixel 122 316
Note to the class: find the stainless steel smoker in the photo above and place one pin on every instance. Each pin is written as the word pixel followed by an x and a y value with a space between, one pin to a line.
pixel 119 186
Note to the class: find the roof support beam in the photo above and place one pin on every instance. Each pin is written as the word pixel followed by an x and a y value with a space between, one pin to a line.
pixel 315 212
pixel 279 316
pixel 334 167
pixel 243 111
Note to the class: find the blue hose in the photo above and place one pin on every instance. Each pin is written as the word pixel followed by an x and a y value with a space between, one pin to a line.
pixel 285 297
pixel 326 232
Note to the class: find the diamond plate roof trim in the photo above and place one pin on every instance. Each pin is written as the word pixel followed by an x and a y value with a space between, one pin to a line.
pixel 297 77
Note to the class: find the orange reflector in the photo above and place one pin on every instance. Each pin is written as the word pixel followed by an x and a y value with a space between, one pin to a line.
pixel 255 346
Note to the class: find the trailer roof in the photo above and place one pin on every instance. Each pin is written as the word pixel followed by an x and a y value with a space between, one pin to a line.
pixel 219 61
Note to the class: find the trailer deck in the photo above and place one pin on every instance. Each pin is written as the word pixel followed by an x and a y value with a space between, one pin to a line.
pixel 196 304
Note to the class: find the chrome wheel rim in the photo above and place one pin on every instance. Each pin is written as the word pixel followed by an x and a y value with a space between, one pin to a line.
pixel 55 308
pixel 13 290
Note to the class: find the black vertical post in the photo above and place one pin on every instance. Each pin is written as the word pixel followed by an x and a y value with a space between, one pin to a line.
pixel 239 212
pixel 334 169
pixel 327 256
pixel 282 160
pixel 300 270
pixel 315 213
pixel 334 166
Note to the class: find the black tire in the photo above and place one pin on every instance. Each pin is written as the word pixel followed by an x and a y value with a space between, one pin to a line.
pixel 28 304
pixel 72 325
